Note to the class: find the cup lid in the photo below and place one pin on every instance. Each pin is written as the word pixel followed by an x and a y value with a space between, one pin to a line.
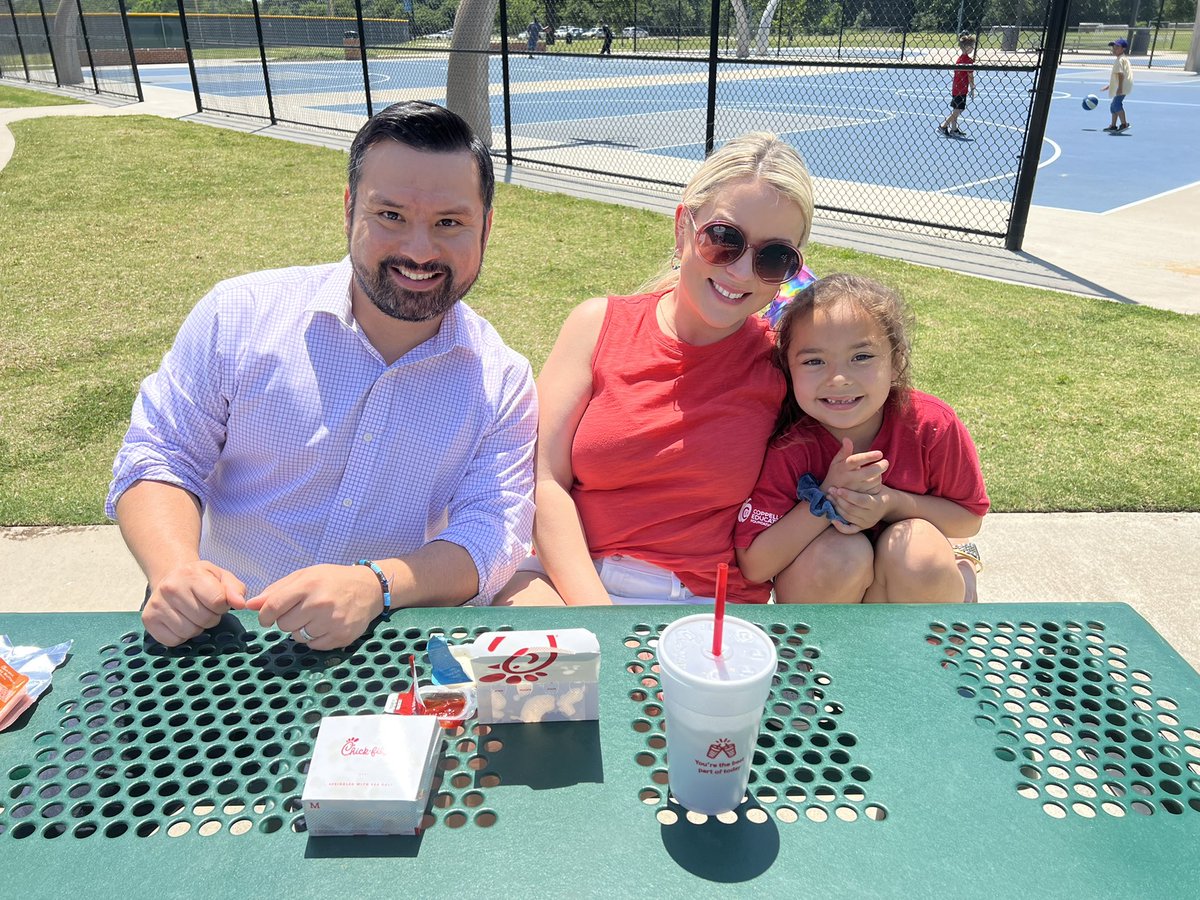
pixel 747 657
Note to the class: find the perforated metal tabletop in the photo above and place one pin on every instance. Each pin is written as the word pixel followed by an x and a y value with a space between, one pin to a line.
pixel 994 750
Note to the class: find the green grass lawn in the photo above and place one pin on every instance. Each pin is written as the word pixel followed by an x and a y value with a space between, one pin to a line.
pixel 20 98
pixel 111 229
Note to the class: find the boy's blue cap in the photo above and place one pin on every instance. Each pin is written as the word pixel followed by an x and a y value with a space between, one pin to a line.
pixel 1119 42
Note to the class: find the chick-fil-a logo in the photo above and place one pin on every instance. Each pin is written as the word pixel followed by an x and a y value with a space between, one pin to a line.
pixel 525 664
pixel 351 748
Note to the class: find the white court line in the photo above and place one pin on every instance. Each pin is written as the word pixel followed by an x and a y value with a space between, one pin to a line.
pixel 845 122
pixel 958 187
pixel 1148 199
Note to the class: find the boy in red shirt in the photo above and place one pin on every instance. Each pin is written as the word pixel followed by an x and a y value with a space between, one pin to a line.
pixel 963 84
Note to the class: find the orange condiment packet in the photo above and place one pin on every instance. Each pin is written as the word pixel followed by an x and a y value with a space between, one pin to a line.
pixel 12 688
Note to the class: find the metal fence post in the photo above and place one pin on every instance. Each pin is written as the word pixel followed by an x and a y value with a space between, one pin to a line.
pixel 262 56
pixel 505 92
pixel 87 44
pixel 133 65
pixel 841 26
pixel 187 49
pixel 710 113
pixel 17 33
pixel 362 55
pixel 1054 36
pixel 1154 37
pixel 50 44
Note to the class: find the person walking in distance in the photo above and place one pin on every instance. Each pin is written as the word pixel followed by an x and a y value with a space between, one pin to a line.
pixel 606 33
pixel 533 32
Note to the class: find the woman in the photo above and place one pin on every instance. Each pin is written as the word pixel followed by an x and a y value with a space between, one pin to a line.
pixel 656 408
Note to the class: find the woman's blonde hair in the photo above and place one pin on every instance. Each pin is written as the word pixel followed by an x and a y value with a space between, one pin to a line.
pixel 876 301
pixel 758 154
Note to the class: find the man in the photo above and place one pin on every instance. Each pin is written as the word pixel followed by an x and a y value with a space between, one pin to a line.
pixel 307 419
pixel 1120 83
pixel 532 33
pixel 607 35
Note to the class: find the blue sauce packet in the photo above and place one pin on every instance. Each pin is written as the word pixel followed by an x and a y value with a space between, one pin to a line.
pixel 446 669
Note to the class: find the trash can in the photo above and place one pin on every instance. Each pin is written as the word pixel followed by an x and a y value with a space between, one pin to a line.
pixel 1139 41
pixel 350 42
pixel 1008 38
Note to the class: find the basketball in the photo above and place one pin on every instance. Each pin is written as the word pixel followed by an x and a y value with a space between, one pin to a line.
pixel 1091 101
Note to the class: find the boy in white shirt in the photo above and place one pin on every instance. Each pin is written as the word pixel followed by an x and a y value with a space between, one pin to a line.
pixel 1120 83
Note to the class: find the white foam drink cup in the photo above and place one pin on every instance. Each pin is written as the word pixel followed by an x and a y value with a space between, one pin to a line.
pixel 713 706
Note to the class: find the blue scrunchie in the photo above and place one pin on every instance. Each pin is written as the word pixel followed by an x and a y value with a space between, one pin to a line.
pixel 808 489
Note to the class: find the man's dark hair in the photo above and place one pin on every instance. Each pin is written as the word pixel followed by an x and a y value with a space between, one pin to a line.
pixel 426 127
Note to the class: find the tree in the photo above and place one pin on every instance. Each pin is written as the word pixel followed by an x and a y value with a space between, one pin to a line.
pixel 65 44
pixel 764 27
pixel 467 72
pixel 742 25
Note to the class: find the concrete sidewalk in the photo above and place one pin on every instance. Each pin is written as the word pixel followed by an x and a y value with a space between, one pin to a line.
pixel 1145 560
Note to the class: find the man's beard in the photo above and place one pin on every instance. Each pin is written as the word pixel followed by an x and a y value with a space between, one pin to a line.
pixel 410 306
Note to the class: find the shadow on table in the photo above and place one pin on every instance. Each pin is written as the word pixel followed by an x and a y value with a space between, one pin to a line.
pixel 545 754
pixel 720 851
pixel 363 847
pixel 227 636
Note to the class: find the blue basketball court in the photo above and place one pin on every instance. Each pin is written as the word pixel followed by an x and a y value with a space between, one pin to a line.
pixel 1085 169
pixel 652 107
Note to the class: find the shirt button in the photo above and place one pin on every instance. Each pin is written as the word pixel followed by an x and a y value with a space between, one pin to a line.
pixel 347 502
pixel 368 437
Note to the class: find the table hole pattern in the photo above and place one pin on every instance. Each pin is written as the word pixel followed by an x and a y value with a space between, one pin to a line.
pixel 806 766
pixel 214 741
pixel 1086 730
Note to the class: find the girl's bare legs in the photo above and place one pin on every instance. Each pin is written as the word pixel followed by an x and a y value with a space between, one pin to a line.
pixel 834 568
pixel 914 563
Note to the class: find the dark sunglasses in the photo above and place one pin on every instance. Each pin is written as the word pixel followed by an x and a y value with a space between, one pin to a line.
pixel 722 244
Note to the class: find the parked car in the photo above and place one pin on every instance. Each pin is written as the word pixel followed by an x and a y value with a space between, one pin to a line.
pixel 592 33
pixel 441 35
pixel 634 32
pixel 564 30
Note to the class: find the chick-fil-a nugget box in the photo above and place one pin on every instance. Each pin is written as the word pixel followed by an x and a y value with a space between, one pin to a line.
pixel 371 774
pixel 536 676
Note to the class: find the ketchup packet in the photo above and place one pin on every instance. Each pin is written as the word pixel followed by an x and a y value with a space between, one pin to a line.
pixel 13 696
pixel 25 674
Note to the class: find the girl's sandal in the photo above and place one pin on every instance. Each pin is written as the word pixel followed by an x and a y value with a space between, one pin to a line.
pixel 970 552
pixel 966 555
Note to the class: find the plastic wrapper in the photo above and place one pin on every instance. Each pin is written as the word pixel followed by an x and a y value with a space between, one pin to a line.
pixel 25 674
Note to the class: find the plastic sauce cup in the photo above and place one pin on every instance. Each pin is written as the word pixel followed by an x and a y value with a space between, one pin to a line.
pixel 452 704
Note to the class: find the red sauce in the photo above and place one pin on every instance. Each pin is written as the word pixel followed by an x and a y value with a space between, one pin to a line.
pixel 446 707
pixel 444 704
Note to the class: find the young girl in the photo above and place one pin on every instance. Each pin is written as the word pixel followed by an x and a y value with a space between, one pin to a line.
pixel 883 472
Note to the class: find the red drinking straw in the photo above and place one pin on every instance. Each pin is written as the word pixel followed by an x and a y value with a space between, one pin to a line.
pixel 418 706
pixel 719 620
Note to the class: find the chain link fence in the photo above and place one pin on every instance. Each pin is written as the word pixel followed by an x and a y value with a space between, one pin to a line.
pixel 76 44
pixel 1159 32
pixel 860 87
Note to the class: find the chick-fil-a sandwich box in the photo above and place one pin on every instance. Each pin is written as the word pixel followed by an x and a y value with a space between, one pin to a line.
pixel 371 774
